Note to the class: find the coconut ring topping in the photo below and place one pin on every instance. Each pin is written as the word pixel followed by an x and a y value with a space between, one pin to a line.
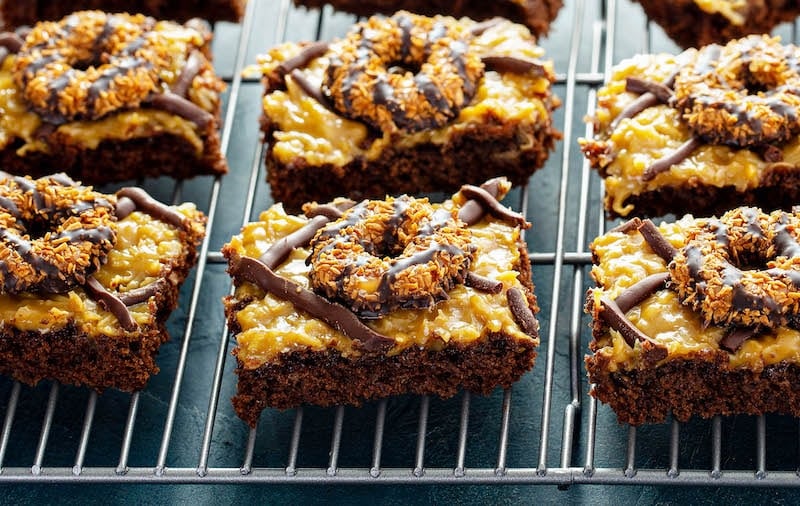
pixel 384 255
pixel 746 93
pixel 407 72
pixel 742 269
pixel 53 233
pixel 89 64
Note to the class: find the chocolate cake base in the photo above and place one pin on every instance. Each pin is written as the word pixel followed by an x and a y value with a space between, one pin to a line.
pixel 473 155
pixel 15 13
pixel 160 155
pixel 328 379
pixel 703 386
pixel 536 14
pixel 779 189
pixel 690 26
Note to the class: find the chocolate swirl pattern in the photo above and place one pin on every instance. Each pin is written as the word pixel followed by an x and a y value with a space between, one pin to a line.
pixel 407 72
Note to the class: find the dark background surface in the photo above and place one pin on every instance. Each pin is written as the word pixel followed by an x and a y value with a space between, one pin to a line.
pixel 558 187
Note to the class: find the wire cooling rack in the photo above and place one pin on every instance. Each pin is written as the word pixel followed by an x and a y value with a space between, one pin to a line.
pixel 545 430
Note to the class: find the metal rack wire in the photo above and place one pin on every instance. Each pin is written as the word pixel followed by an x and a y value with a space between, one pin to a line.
pixel 158 442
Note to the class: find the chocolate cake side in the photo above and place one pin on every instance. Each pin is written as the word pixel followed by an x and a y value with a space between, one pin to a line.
pixel 110 161
pixel 14 13
pixel 705 387
pixel 536 14
pixel 690 26
pixel 474 154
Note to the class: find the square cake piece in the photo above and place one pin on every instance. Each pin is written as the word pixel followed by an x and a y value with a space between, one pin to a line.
pixel 698 317
pixel 14 13
pixel 88 280
pixel 535 14
pixel 406 104
pixel 109 97
pixel 352 302
pixel 699 132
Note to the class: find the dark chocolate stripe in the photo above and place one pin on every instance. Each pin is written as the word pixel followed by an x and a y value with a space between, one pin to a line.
pixel 10 207
pixel 617 320
pixel 302 58
pixel 490 203
pixel 11 41
pixel 190 70
pixel 335 315
pixel 734 339
pixel 645 101
pixel 637 85
pixel 111 303
pixel 518 304
pixel 277 253
pixel 311 90
pixel 472 211
pixel 483 284
pixel 674 158
pixel 329 211
pixel 785 242
pixel 142 294
pixel 182 107
pixel 639 291
pixel 479 28
pixel 147 204
pixel 657 242
pixel 513 65
pixel 624 228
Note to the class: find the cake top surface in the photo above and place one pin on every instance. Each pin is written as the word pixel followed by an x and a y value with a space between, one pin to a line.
pixel 312 104
pixel 670 120
pixel 148 77
pixel 270 322
pixel 101 291
pixel 644 281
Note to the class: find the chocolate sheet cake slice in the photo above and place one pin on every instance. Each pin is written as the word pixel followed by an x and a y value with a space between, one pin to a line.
pixel 690 319
pixel 297 345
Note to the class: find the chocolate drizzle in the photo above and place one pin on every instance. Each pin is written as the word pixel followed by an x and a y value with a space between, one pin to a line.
pixel 335 315
pixel 11 41
pixel 301 59
pixel 645 101
pixel 661 91
pixel 479 28
pixel 311 90
pixel 490 203
pixel 472 211
pixel 665 163
pixel 192 67
pixel 176 104
pixel 658 243
pixel 616 319
pixel 141 294
pixel 630 225
pixel 277 253
pixel 514 65
pixel 522 314
pixel 111 303
pixel 142 201
pixel 483 284
pixel 734 339
pixel 638 292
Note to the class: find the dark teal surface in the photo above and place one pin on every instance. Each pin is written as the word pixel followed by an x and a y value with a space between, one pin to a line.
pixel 273 440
